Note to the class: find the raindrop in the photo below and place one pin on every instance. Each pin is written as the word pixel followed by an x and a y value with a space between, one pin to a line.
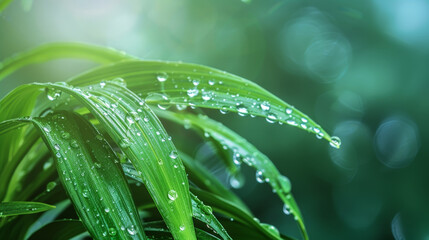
pixel 107 210
pixel 224 110
pixel 131 230
pixel 271 118
pixel 181 107
pixel 46 129
pixel 192 92
pixel 65 135
pixel 265 106
pixel 52 94
pixel 85 193
pixel 236 181
pixel 335 142
pixel 172 195
pixel 173 154
pixel 182 228
pixel 286 209
pixel 242 110
pixel 162 77
pixel 211 82
pixel 260 177
pixel 112 231
pixel 57 147
pixel 289 111
pixel 124 143
pixel 207 96
pixel 273 230
pixel 130 120
pixel 119 81
pixel 102 84
pixel 50 186
pixel 196 82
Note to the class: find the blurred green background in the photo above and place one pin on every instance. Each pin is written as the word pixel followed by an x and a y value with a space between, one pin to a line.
pixel 359 68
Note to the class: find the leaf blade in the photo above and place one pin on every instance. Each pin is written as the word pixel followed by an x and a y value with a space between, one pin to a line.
pixel 15 208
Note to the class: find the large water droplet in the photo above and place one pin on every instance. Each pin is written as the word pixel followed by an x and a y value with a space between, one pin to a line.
pixel 224 110
pixel 112 231
pixel 182 228
pixel 271 118
pixel 107 210
pixel 52 93
pixel 270 228
pixel 162 77
pixel 50 186
pixel 260 177
pixel 335 142
pixel 85 193
pixel 119 81
pixel 265 106
pixel 192 92
pixel 173 154
pixel 286 209
pixel 124 143
pixel 242 110
pixel 289 111
pixel 172 195
pixel 132 230
pixel 236 181
pixel 74 144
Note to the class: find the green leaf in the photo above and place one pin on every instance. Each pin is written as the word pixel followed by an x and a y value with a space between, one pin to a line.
pixel 174 83
pixel 140 135
pixel 54 51
pixel 4 4
pixel 199 210
pixel 20 208
pixel 92 176
pixel 266 172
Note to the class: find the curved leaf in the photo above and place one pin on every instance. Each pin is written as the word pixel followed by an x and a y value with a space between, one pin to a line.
pixel 244 153
pixel 20 208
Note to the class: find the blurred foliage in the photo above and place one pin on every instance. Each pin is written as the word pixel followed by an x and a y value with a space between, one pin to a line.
pixel 359 68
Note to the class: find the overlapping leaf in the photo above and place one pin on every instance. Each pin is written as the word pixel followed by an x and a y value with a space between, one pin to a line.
pixel 244 153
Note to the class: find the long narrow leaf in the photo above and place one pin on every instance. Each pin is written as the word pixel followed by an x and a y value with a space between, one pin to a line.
pixel 20 208
pixel 142 138
pixel 92 176
pixel 246 153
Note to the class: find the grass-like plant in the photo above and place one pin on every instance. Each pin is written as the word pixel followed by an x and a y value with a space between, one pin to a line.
pixel 86 142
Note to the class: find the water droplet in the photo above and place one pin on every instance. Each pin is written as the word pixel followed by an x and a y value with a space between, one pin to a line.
pixel 196 82
pixel 162 77
pixel 124 143
pixel 242 110
pixel 237 159
pixel 192 92
pixel 146 119
pixel 107 210
pixel 271 118
pixel 236 181
pixel 265 106
pixel 284 182
pixel 99 137
pixel 304 120
pixel 65 135
pixel 46 129
pixel 270 228
pixel 58 155
pixel 172 195
pixel 102 84
pixel 119 81
pixel 57 147
pixel 173 154
pixel 85 193
pixel 50 186
pixel 181 107
pixel 52 94
pixel 112 231
pixel 182 228
pixel 74 144
pixel 286 209
pixel 131 230
pixel 207 95
pixel 289 111
pixel 335 142
pixel 211 82
pixel 224 110
pixel 260 177
pixel 130 119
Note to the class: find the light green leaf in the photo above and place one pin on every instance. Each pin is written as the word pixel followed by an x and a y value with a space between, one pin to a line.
pixel 20 208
